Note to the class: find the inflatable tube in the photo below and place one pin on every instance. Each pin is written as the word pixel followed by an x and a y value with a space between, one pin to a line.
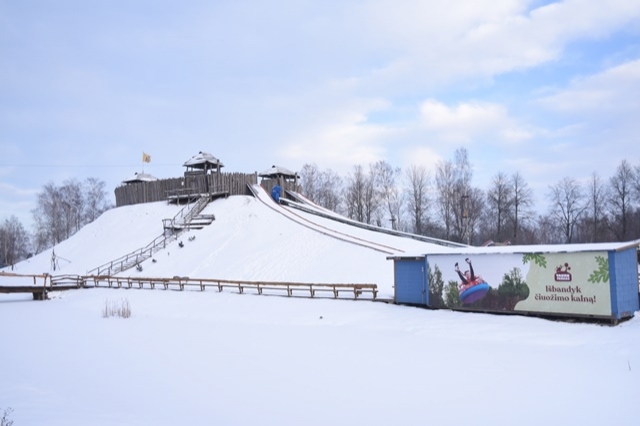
pixel 474 293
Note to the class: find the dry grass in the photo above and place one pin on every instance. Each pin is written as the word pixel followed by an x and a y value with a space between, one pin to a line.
pixel 120 308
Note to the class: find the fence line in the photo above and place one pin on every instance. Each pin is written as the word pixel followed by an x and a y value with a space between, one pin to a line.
pixel 290 289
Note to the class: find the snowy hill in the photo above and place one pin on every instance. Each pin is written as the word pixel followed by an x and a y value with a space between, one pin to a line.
pixel 249 240
pixel 209 358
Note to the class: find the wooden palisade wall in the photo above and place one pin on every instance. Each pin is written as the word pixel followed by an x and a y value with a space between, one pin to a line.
pixel 148 192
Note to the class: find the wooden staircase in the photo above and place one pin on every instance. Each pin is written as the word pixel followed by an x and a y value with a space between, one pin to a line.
pixel 187 218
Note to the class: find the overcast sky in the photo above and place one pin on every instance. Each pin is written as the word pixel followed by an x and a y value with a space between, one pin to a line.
pixel 549 89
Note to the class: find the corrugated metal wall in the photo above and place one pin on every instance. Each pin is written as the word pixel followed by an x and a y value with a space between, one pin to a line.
pixel 623 277
pixel 411 281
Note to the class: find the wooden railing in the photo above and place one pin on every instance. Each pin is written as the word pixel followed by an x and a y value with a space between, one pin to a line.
pixel 131 259
pixel 290 289
pixel 195 210
pixel 183 193
pixel 182 218
pixel 49 283
pixel 66 280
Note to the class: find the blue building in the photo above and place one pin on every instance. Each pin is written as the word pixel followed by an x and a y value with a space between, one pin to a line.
pixel 581 280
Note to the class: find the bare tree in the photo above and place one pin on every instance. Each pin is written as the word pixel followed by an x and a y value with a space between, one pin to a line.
pixel 445 193
pixel 310 178
pixel 355 195
pixel 72 201
pixel 521 203
pixel 95 199
pixel 475 207
pixel 48 217
pixel 418 197
pixel 14 241
pixel 322 187
pixel 390 194
pixel 329 190
pixel 455 204
pixel 621 199
pixel 597 198
pixel 61 211
pixel 567 205
pixel 546 231
pixel 467 208
pixel 637 182
pixel 500 204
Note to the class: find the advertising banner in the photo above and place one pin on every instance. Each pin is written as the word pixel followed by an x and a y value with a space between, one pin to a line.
pixel 565 283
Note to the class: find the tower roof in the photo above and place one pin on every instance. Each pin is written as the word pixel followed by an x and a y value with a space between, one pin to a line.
pixel 277 171
pixel 201 160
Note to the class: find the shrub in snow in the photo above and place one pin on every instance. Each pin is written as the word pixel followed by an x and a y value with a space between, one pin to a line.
pixel 120 309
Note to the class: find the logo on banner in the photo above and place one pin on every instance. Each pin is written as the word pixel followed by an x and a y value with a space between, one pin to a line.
pixel 562 274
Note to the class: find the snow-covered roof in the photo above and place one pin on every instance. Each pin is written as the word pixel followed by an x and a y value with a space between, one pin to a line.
pixel 140 177
pixel 547 248
pixel 275 171
pixel 201 159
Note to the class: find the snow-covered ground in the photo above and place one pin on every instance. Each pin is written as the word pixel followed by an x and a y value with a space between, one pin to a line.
pixel 203 358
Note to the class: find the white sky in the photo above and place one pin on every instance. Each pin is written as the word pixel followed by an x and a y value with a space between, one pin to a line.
pixel 204 358
pixel 544 88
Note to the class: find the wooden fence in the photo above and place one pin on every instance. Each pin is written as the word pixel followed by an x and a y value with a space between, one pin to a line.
pixel 49 283
pixel 354 291
pixel 290 289
pixel 149 192
pixel 136 257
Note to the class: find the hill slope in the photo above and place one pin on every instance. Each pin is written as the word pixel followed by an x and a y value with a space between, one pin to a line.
pixel 248 241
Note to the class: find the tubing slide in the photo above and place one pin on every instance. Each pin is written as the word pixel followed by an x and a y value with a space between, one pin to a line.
pixel 260 194
pixel 308 206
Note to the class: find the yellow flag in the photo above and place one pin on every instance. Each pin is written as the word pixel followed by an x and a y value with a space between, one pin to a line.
pixel 146 158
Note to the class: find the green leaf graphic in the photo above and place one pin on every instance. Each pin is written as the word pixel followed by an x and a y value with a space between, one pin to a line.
pixel 537 258
pixel 601 275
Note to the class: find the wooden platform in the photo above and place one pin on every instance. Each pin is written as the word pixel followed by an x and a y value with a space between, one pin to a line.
pixel 39 292
pixel 187 196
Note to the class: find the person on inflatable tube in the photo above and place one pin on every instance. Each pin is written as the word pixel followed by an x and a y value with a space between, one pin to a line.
pixel 469 276
pixel 473 287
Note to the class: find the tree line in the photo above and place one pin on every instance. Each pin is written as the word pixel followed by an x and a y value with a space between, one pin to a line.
pixel 444 203
pixel 441 203
pixel 60 212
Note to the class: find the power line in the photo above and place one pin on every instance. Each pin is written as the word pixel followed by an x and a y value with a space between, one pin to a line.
pixel 84 165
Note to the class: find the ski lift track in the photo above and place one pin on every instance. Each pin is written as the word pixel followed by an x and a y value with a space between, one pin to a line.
pixel 332 233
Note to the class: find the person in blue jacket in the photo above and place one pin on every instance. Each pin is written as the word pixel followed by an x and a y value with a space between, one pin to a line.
pixel 275 193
